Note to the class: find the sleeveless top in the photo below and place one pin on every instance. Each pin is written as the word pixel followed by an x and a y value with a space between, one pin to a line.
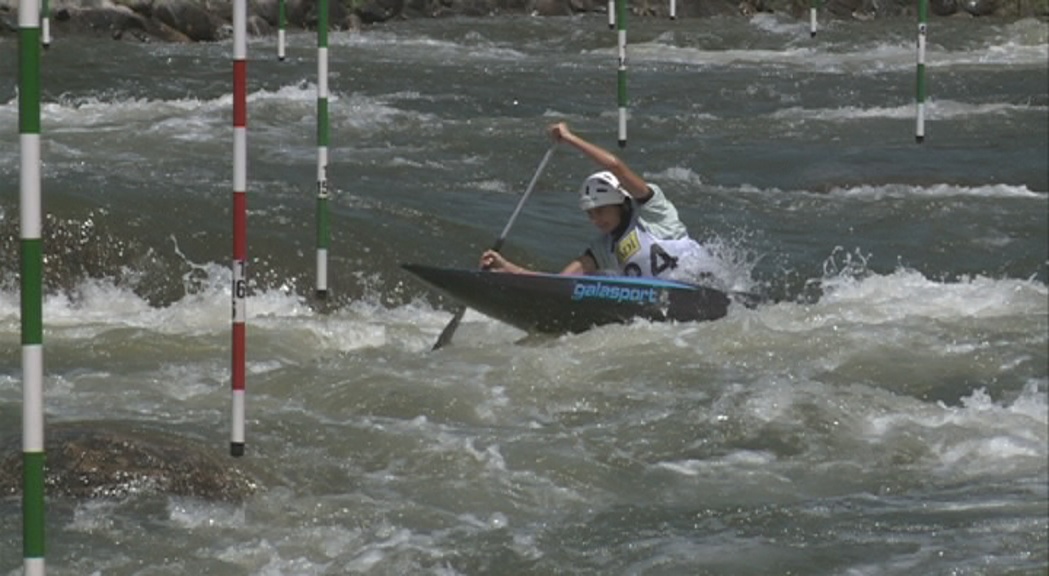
pixel 639 253
pixel 655 243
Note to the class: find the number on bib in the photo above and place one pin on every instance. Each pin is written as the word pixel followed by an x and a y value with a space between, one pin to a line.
pixel 659 260
pixel 632 269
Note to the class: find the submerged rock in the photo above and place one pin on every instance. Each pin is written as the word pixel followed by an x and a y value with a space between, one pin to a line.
pixel 115 460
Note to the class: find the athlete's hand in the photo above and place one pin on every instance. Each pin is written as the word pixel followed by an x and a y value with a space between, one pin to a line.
pixel 559 131
pixel 492 260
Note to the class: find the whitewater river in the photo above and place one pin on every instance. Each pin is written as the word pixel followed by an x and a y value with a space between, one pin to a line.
pixel 884 414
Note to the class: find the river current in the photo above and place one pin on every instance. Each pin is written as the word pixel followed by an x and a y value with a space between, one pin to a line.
pixel 884 414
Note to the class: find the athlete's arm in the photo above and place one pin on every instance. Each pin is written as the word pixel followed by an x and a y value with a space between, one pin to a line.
pixel 631 182
pixel 585 264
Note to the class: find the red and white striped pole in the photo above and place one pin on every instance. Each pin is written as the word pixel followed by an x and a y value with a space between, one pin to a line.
pixel 240 219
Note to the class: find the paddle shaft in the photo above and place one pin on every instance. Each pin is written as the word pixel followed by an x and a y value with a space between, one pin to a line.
pixel 449 330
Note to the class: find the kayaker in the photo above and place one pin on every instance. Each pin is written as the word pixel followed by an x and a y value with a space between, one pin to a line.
pixel 640 232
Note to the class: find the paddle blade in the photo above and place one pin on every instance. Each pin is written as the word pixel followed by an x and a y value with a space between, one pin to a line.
pixel 449 330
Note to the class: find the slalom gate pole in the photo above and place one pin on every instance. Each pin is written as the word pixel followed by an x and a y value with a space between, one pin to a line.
pixel 45 24
pixel 31 289
pixel 323 231
pixel 812 18
pixel 621 75
pixel 240 221
pixel 923 28
pixel 282 23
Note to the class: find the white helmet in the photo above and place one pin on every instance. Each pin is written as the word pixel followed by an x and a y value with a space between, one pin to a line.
pixel 601 189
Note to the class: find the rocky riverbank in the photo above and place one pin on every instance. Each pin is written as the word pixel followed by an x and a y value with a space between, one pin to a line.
pixel 210 20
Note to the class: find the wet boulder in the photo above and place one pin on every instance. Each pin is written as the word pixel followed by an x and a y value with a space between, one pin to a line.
pixel 193 19
pixel 114 460
pixel 980 7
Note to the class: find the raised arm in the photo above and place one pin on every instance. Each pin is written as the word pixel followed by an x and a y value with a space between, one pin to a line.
pixel 631 182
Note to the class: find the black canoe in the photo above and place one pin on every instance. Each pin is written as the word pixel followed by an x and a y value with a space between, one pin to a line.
pixel 556 304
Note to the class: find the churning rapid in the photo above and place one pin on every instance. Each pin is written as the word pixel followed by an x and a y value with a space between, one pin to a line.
pixel 885 414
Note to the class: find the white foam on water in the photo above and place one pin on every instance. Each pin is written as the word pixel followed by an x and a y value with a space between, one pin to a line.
pixel 981 434
pixel 935 109
pixel 880 192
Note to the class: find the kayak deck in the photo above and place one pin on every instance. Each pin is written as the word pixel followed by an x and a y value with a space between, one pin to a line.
pixel 557 304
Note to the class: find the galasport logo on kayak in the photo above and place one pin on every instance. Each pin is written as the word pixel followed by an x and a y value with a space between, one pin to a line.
pixel 602 291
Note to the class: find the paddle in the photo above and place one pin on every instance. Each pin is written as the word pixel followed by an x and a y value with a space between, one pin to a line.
pixel 449 330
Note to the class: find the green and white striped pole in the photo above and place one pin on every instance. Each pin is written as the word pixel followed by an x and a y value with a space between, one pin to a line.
pixel 31 289
pixel 282 23
pixel 621 76
pixel 923 28
pixel 45 25
pixel 323 233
